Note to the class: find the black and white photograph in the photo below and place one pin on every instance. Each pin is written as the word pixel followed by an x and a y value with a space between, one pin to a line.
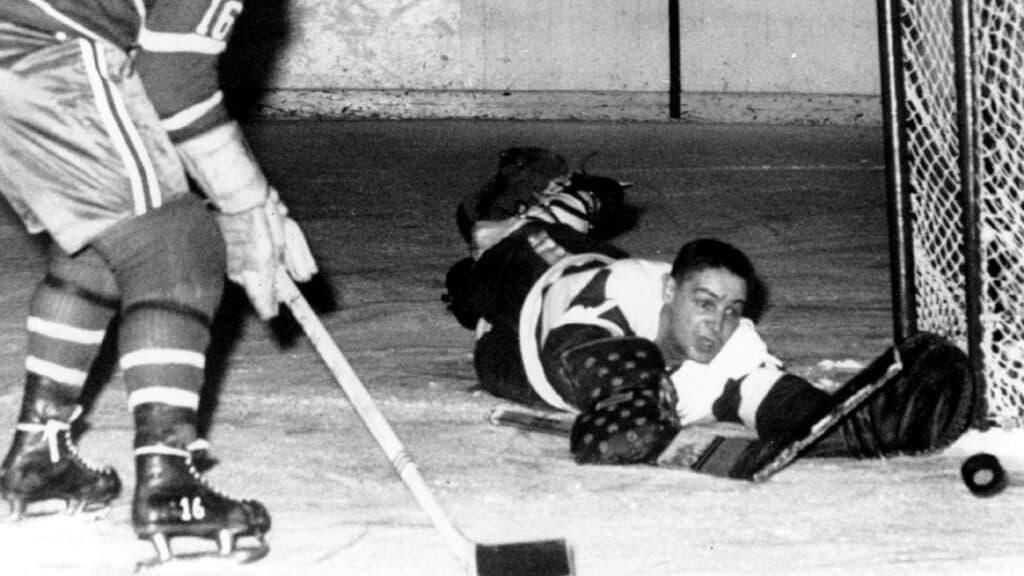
pixel 511 287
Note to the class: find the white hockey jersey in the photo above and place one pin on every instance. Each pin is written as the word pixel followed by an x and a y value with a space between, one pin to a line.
pixel 623 298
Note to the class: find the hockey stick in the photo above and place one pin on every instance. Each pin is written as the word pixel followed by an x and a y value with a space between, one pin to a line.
pixel 758 460
pixel 554 423
pixel 708 450
pixel 538 558
pixel 734 455
pixel 827 423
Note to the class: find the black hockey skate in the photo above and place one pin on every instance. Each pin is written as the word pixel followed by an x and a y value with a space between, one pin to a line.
pixel 173 500
pixel 43 464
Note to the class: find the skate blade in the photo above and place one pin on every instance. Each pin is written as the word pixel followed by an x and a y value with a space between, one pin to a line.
pixel 192 562
pixel 21 511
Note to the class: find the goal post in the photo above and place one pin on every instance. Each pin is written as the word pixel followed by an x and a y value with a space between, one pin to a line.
pixel 953 111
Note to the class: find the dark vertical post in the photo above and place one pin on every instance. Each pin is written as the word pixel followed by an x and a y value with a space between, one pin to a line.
pixel 964 48
pixel 901 260
pixel 674 82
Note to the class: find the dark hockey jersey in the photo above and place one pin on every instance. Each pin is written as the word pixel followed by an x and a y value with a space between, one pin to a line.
pixel 177 44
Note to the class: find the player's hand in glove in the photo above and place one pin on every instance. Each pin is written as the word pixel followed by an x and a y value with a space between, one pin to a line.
pixel 257 231
pixel 628 404
pixel 259 240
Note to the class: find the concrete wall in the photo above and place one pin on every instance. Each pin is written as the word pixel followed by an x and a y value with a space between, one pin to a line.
pixel 808 61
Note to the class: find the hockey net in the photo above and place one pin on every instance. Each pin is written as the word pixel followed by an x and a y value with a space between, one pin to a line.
pixel 993 48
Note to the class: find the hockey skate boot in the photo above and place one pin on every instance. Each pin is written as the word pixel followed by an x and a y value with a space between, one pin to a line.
pixel 43 464
pixel 172 499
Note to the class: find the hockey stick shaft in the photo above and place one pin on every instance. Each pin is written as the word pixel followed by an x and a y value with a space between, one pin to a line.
pixel 826 424
pixel 541 558
pixel 371 416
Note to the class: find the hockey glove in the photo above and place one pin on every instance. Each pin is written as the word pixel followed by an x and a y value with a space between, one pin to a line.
pixel 629 414
pixel 602 368
pixel 259 240
pixel 630 427
pixel 254 222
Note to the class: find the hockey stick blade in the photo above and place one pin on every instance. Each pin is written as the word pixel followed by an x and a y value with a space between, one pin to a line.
pixel 547 557
pixel 544 558
pixel 711 450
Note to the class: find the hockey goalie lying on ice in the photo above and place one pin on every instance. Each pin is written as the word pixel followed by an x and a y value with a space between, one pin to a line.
pixel 639 349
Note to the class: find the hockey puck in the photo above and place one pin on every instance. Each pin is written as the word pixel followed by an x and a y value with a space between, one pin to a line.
pixel 983 474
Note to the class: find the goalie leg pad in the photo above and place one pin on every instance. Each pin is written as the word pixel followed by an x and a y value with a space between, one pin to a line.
pixel 522 173
pixel 591 204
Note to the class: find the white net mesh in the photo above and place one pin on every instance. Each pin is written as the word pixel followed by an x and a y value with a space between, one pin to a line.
pixel 998 82
pixel 931 132
pixel 931 139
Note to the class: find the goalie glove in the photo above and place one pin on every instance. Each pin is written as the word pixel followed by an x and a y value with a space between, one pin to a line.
pixel 258 234
pixel 629 414
pixel 601 368
pixel 631 427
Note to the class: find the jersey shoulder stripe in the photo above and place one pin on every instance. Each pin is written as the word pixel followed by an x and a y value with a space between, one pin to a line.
pixel 181 44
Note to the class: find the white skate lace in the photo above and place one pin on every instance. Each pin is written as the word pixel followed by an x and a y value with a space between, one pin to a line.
pixel 51 433
pixel 198 445
pixel 51 429
pixel 169 451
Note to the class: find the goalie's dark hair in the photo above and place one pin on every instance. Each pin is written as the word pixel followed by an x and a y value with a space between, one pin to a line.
pixel 704 253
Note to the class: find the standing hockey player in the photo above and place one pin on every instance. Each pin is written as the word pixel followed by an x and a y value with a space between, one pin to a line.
pixel 639 348
pixel 106 108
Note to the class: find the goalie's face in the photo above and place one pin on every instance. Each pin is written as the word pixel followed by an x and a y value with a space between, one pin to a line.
pixel 700 314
